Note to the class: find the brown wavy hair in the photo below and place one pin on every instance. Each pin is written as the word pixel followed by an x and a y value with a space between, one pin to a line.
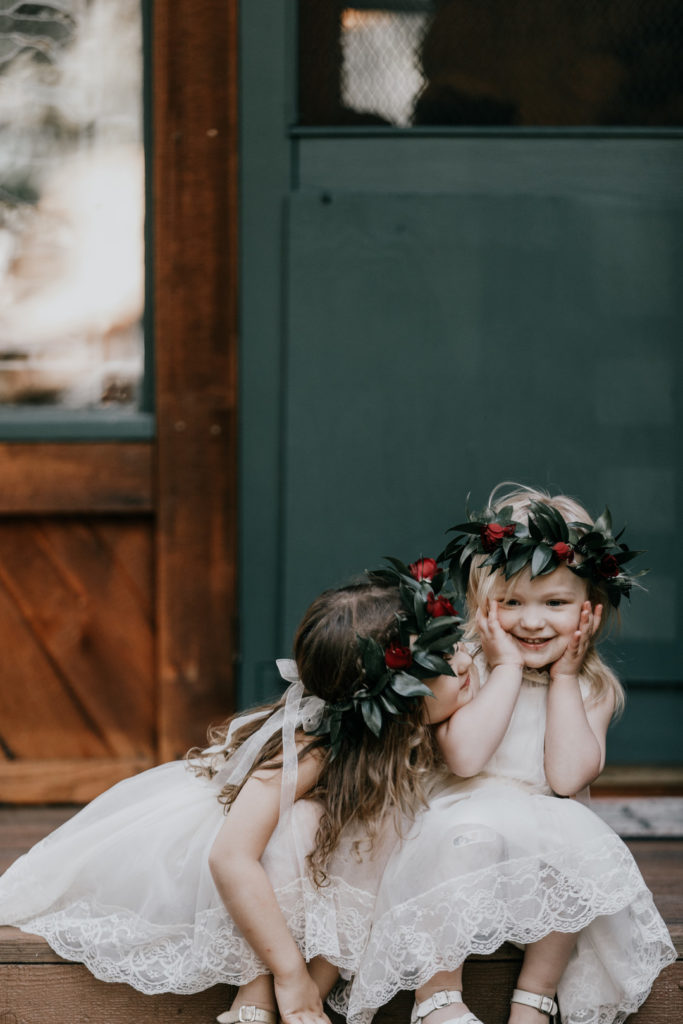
pixel 371 779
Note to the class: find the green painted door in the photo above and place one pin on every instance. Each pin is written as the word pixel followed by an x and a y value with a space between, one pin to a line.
pixel 429 313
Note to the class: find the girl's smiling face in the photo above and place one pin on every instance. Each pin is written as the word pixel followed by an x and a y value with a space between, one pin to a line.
pixel 452 692
pixel 541 614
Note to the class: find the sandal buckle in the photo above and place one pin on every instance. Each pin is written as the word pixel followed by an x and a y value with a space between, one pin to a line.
pixel 440 999
pixel 247 1014
pixel 547 1005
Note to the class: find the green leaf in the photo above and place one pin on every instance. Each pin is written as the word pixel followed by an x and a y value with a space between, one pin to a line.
pixel 398 565
pixel 388 704
pixel 542 556
pixel 603 524
pixel 381 576
pixel 372 716
pixel 372 655
pixel 435 664
pixel 517 561
pixel 409 686
pixel 534 531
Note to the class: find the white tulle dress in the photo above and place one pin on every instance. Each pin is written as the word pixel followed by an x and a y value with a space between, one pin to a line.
pixel 498 858
pixel 125 888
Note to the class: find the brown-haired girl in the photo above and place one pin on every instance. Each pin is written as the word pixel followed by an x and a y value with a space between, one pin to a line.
pixel 258 866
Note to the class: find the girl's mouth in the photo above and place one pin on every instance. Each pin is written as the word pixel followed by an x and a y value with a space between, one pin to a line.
pixel 466 683
pixel 533 642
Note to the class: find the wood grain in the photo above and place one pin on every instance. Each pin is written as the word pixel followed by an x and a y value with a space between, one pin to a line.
pixel 53 780
pixel 41 478
pixel 77 710
pixel 195 255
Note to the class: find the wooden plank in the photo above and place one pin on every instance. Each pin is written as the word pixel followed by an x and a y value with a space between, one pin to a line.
pixel 43 478
pixel 640 779
pixel 64 780
pixel 88 619
pixel 75 997
pixel 195 304
pixel 68 994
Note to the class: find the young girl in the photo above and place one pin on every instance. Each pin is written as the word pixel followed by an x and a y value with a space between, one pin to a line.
pixel 498 855
pixel 154 884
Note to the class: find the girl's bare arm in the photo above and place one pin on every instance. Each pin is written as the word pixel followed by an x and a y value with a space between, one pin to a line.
pixel 471 736
pixel 575 736
pixel 248 895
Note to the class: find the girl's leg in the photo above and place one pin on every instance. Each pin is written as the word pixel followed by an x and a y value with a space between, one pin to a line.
pixel 543 966
pixel 451 980
pixel 324 974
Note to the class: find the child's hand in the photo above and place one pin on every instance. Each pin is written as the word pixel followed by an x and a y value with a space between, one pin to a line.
pixel 571 662
pixel 498 646
pixel 298 999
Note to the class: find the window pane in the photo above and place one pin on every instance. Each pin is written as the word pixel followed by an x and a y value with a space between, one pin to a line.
pixel 71 203
pixel 492 62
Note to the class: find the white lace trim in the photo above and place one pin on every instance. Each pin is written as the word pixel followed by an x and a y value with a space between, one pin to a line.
pixel 118 945
pixel 438 929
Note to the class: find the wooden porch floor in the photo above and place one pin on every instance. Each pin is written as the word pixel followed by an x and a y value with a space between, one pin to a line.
pixel 38 987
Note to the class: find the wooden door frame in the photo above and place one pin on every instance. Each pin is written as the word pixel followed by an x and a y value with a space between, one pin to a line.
pixel 195 175
pixel 186 479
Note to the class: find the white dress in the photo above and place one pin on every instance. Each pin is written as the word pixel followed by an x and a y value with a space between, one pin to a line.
pixel 125 888
pixel 498 858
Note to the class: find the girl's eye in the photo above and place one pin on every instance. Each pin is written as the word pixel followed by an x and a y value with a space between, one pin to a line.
pixel 510 602
pixel 556 602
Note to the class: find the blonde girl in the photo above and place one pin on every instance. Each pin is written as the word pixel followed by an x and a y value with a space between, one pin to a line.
pixel 255 862
pixel 499 855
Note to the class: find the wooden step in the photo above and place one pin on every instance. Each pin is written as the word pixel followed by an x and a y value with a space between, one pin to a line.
pixel 38 987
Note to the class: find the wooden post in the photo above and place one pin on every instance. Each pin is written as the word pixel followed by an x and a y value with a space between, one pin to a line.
pixel 195 315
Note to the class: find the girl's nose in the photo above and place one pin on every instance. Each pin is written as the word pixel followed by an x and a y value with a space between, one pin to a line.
pixel 531 617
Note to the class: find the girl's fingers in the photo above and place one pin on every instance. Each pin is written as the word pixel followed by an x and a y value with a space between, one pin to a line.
pixel 597 618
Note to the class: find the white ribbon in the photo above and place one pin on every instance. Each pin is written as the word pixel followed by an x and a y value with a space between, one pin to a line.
pixel 298 712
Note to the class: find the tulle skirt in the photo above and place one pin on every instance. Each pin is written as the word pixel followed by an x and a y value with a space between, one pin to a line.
pixel 125 888
pixel 491 861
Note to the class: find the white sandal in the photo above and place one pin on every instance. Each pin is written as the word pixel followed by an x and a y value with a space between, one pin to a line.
pixel 544 1004
pixel 435 1002
pixel 248 1014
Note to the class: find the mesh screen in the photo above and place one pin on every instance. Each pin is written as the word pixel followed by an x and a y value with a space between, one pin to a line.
pixel 491 62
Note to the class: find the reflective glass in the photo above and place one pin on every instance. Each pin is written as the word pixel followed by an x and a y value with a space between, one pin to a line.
pixel 71 203
pixel 491 62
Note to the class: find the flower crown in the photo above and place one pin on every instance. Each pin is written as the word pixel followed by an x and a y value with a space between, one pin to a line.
pixel 428 628
pixel 546 542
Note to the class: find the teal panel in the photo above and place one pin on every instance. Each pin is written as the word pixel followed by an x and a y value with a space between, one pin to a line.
pixel 440 344
pixel 266 94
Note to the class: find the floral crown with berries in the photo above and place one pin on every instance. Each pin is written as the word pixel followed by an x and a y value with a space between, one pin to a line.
pixel 545 542
pixel 428 628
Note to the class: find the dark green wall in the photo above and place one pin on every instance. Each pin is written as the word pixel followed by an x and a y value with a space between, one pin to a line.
pixel 429 314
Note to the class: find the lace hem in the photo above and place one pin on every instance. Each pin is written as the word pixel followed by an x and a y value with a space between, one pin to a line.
pixel 477 913
pixel 118 945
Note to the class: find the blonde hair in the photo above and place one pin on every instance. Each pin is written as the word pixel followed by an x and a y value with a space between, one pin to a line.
pixel 371 779
pixel 597 674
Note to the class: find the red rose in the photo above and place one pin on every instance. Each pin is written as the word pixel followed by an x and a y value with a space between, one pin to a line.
pixel 493 533
pixel 609 567
pixel 396 656
pixel 564 551
pixel 438 606
pixel 424 569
